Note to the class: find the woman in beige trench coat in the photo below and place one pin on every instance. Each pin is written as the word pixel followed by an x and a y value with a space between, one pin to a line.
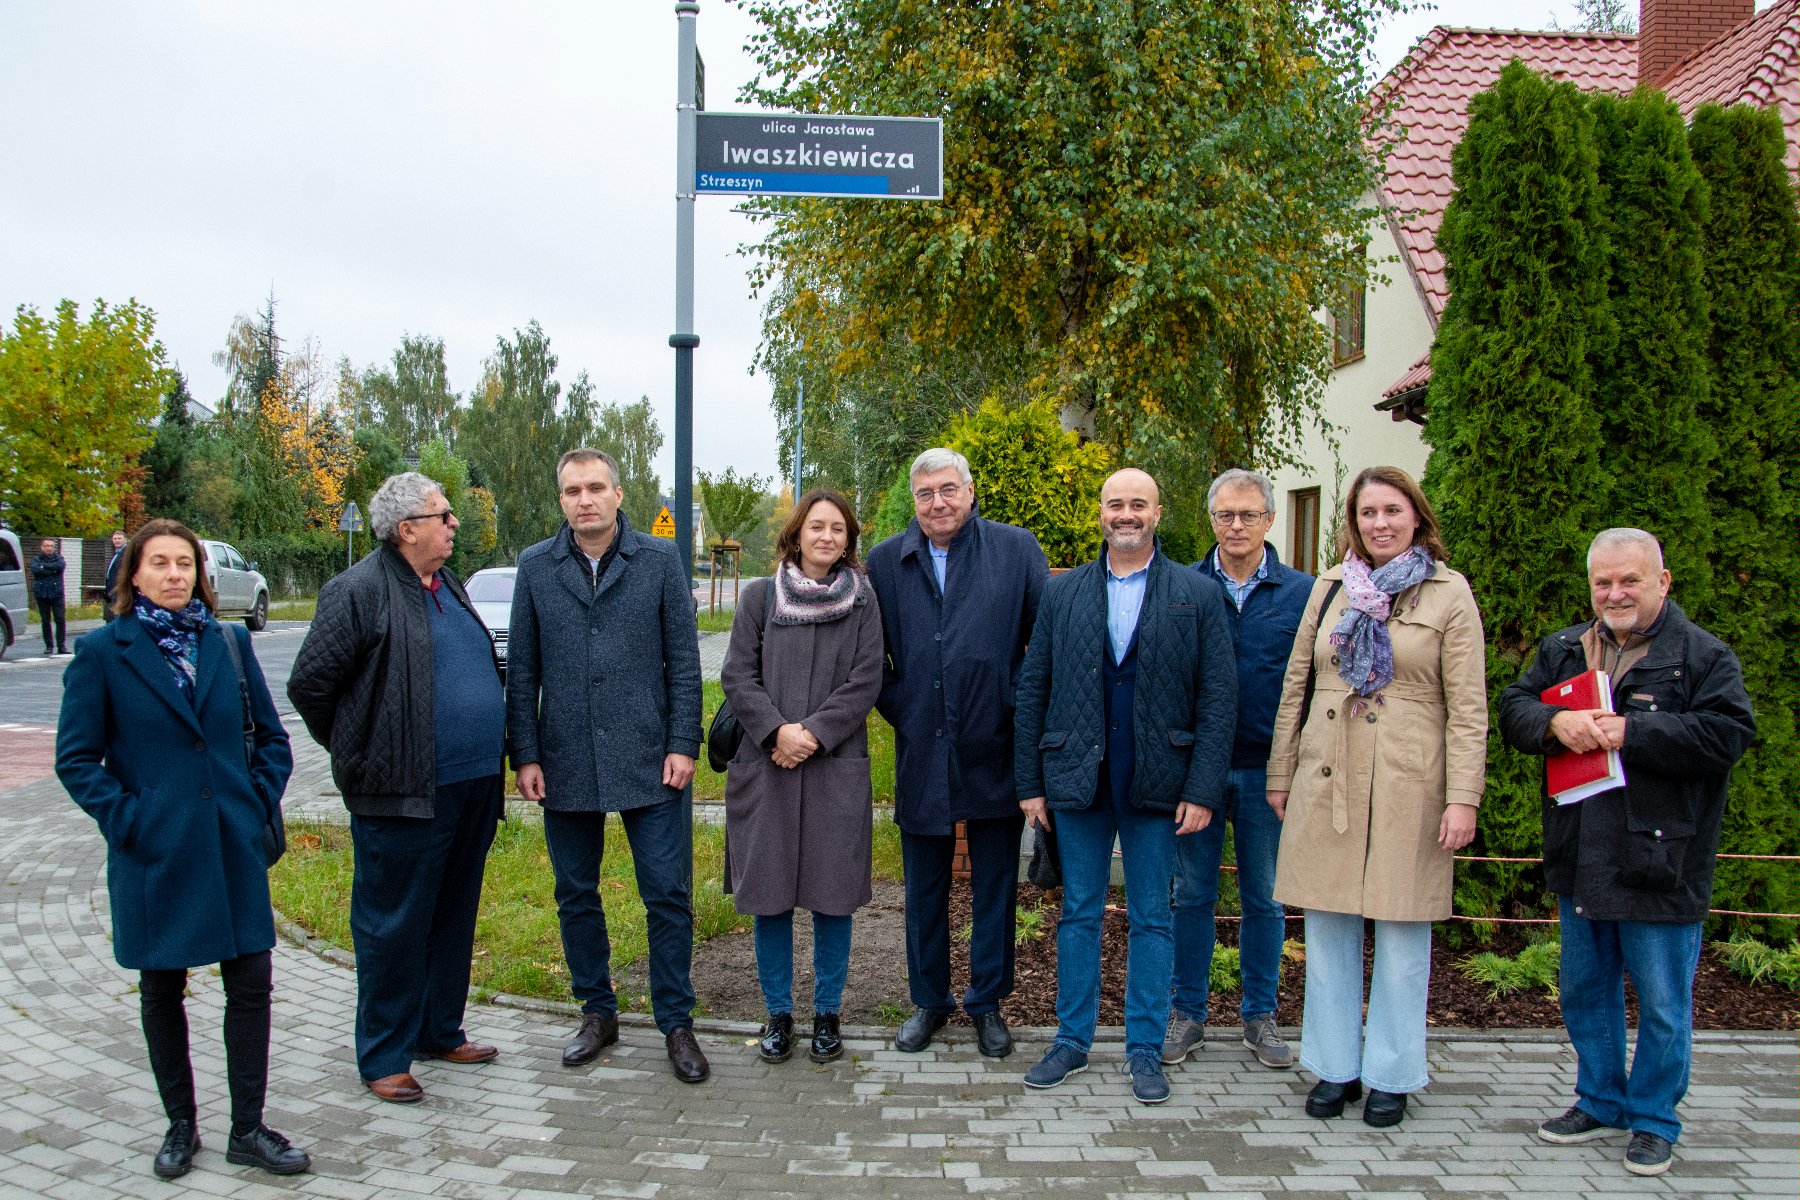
pixel 1377 782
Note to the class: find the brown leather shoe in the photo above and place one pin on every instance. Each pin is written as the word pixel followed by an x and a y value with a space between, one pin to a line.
pixel 397 1089
pixel 686 1056
pixel 468 1052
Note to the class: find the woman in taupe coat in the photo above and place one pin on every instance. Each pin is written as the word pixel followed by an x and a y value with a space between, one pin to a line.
pixel 802 674
pixel 1377 777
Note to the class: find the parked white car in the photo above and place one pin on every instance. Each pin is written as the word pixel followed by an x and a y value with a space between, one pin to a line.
pixel 13 614
pixel 238 586
pixel 491 592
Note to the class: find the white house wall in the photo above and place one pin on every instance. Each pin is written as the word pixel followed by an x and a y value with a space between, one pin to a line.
pixel 1396 332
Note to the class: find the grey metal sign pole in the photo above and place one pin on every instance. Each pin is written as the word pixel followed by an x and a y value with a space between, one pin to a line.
pixel 684 339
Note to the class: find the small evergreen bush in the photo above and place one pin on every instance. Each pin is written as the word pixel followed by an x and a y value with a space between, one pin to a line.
pixel 1030 471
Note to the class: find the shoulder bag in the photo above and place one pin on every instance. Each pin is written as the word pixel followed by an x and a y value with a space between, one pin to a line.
pixel 275 831
pixel 725 735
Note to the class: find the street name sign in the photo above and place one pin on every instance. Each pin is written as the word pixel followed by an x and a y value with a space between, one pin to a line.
pixel 802 154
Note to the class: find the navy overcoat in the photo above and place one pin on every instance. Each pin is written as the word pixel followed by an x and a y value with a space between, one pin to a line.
pixel 602 683
pixel 953 661
pixel 165 779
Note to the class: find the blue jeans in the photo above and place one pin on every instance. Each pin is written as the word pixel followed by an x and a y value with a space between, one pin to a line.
pixel 1084 837
pixel 775 961
pixel 1257 832
pixel 662 849
pixel 413 902
pixel 994 899
pixel 1334 1044
pixel 1661 960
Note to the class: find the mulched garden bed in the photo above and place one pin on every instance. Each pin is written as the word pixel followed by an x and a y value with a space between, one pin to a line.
pixel 724 974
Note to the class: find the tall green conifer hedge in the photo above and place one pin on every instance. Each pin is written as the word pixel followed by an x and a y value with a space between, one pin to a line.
pixel 1752 268
pixel 1516 472
pixel 1650 372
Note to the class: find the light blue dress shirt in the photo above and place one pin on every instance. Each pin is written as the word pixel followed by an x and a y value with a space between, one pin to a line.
pixel 1124 601
pixel 940 560
pixel 1240 592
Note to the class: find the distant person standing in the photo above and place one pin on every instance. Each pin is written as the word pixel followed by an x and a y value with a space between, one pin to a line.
pixel 112 574
pixel 47 567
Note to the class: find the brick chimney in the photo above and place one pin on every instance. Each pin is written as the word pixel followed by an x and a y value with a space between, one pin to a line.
pixel 1672 31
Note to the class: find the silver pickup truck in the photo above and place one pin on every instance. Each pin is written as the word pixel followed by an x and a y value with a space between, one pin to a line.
pixel 239 587
pixel 13 616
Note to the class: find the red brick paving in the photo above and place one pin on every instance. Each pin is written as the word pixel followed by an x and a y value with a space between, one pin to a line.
pixel 27 754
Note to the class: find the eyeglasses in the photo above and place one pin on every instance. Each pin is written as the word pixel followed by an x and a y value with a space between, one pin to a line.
pixel 947 492
pixel 437 516
pixel 1225 519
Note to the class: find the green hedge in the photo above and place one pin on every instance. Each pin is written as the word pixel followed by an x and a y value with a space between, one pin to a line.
pixel 298 564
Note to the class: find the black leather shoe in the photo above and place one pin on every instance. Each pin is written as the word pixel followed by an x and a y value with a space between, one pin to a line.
pixel 915 1035
pixel 1327 1099
pixel 777 1043
pixel 263 1147
pixel 826 1045
pixel 685 1056
pixel 176 1158
pixel 1384 1108
pixel 991 1036
pixel 596 1033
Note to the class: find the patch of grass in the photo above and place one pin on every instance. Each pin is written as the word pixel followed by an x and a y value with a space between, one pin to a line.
pixel 1029 924
pixel 518 945
pixel 714 622
pixel 1760 962
pixel 891 1013
pixel 1535 966
pixel 304 609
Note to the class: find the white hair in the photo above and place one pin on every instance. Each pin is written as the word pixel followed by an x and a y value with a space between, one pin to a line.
pixel 1238 477
pixel 939 459
pixel 399 496
pixel 1626 536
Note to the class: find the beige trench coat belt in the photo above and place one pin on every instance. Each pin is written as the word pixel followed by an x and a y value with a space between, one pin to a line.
pixel 1419 693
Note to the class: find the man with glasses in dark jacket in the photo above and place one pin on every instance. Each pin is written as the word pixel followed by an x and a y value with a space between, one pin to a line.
pixel 1632 868
pixel 1263 603
pixel 397 677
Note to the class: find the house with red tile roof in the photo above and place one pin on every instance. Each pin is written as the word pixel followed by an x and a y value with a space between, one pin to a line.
pixel 1696 51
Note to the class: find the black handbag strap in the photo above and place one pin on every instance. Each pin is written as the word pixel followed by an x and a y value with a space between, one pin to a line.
pixel 243 680
pixel 1311 674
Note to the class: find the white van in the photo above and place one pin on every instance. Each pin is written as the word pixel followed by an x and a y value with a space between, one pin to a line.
pixel 13 615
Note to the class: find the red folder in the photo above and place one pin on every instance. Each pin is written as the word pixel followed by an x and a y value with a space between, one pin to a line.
pixel 1572 777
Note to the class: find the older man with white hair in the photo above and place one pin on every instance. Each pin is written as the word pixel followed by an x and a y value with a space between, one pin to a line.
pixel 397 677
pixel 1632 868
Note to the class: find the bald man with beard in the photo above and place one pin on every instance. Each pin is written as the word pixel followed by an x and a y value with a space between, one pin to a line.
pixel 1127 706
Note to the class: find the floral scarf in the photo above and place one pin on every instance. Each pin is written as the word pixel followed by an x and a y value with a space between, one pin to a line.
pixel 802 600
pixel 1365 651
pixel 177 635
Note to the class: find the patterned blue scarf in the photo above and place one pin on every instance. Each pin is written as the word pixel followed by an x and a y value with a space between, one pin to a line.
pixel 177 635
pixel 1365 651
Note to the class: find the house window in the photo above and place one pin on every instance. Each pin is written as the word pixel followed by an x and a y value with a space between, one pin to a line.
pixel 1303 519
pixel 1347 318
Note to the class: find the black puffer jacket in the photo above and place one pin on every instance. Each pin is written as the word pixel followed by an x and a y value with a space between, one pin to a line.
pixel 363 683
pixel 1643 852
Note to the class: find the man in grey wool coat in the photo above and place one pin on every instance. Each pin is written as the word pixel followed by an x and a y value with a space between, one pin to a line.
pixel 603 716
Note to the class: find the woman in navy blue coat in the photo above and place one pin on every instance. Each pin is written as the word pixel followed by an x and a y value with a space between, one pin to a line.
pixel 152 744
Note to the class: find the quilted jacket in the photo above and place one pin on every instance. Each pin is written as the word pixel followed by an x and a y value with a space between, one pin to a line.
pixel 1185 708
pixel 363 683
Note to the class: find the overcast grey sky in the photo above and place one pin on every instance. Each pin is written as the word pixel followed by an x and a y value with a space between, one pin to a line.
pixel 449 168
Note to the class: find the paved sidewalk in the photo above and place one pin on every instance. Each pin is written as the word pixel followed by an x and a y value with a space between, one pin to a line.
pixel 79 1115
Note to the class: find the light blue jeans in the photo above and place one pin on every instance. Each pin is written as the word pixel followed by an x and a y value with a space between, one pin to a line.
pixel 1389 1053
pixel 1596 956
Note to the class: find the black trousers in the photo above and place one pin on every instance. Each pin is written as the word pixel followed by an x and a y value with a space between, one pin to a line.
pixel 248 981
pixel 994 884
pixel 54 611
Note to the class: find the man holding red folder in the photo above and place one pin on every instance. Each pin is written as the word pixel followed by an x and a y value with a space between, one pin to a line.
pixel 1632 868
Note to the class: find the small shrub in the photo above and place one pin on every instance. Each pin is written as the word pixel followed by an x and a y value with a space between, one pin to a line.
pixel 1760 962
pixel 1226 975
pixel 1536 966
pixel 1028 925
